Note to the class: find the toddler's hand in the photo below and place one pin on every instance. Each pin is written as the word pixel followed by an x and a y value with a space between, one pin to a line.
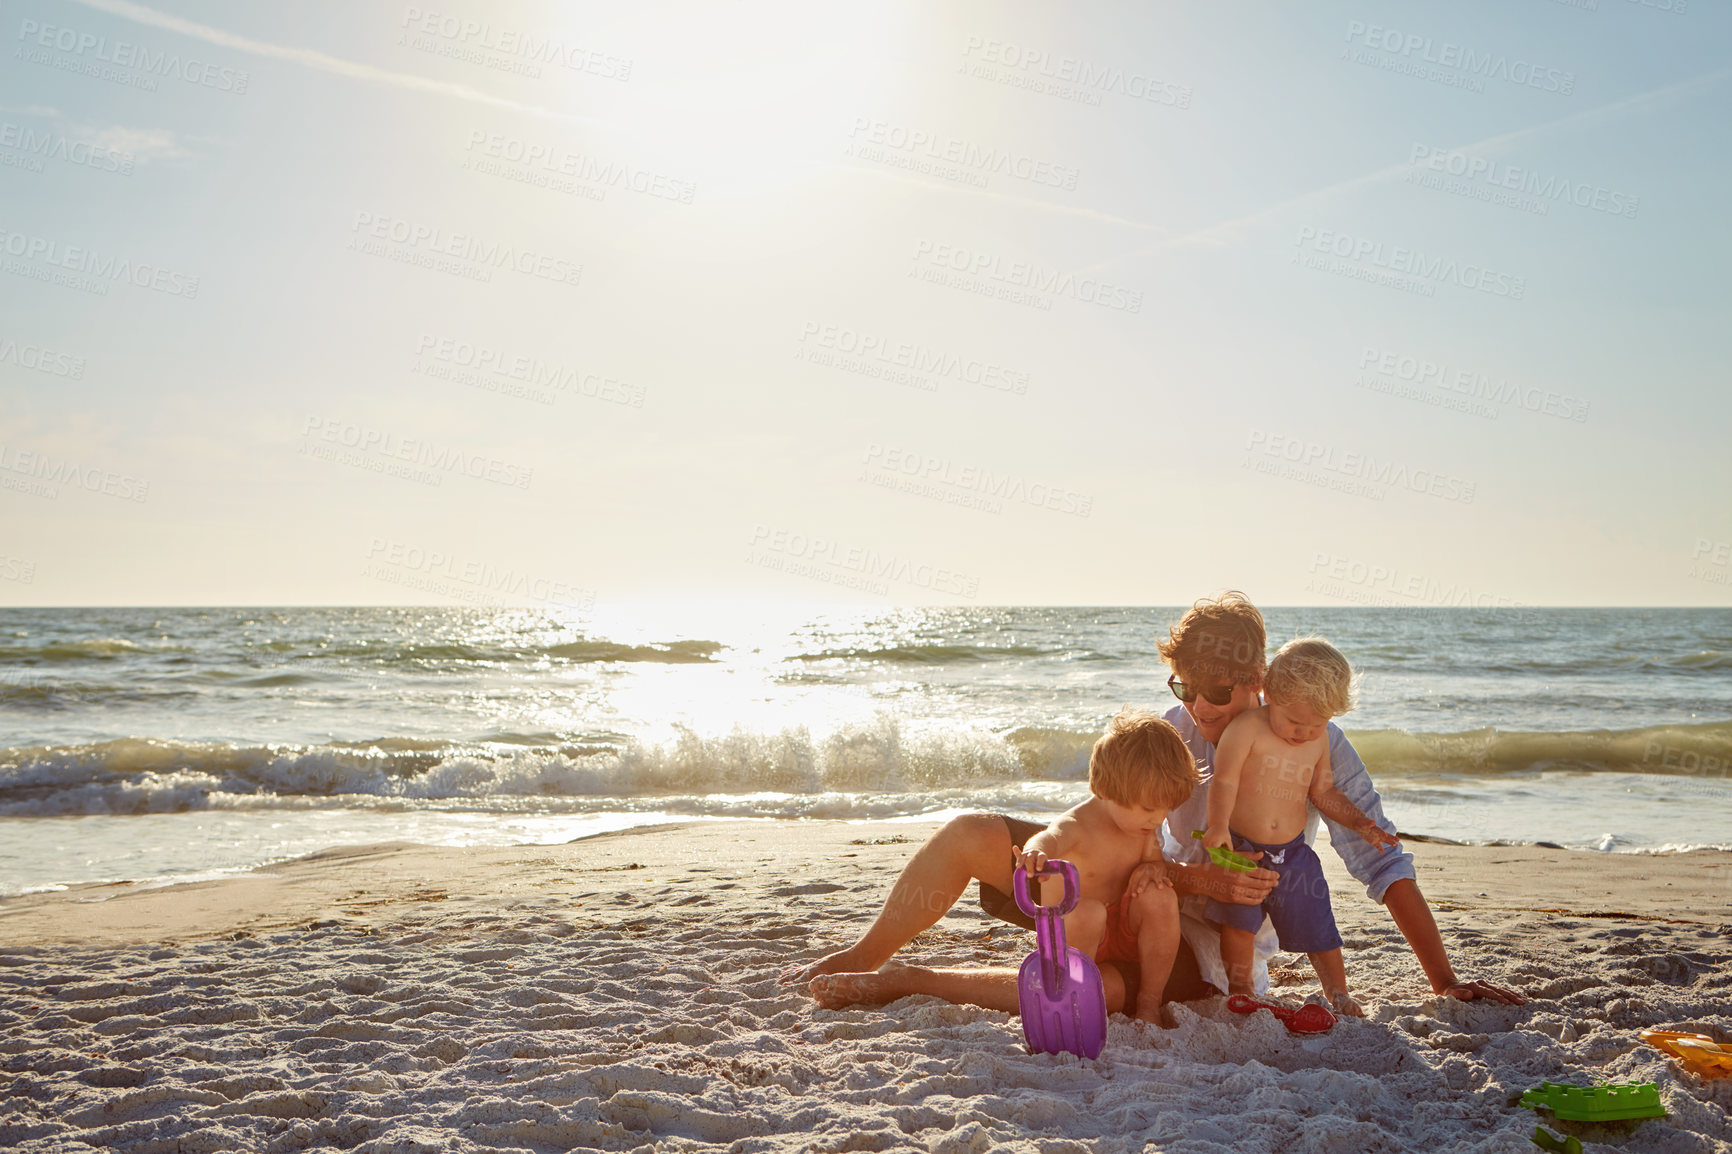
pixel 1380 837
pixel 1217 837
pixel 1031 860
pixel 1150 873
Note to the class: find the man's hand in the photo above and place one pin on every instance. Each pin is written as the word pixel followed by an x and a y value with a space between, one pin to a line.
pixel 1473 991
pixel 1150 873
pixel 1379 837
pixel 1245 889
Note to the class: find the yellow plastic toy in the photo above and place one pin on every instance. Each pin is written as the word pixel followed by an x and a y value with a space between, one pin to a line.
pixel 1699 1053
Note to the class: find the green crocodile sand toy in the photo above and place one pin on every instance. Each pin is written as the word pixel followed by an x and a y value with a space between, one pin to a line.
pixel 1607 1103
pixel 1226 858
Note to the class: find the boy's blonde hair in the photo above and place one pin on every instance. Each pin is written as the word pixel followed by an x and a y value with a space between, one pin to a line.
pixel 1219 638
pixel 1142 760
pixel 1311 672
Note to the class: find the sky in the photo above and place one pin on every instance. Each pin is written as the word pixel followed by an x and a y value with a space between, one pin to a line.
pixel 1021 303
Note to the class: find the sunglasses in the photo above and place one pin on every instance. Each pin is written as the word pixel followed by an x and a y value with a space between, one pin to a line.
pixel 1187 693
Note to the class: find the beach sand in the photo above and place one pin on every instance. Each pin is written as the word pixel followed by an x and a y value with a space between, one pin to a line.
pixel 621 993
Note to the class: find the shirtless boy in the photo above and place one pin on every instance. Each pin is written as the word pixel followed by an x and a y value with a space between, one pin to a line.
pixel 1137 772
pixel 1271 762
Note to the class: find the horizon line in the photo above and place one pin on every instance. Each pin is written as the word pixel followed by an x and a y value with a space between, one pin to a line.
pixel 846 605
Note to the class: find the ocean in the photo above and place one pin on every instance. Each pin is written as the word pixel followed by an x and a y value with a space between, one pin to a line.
pixel 163 745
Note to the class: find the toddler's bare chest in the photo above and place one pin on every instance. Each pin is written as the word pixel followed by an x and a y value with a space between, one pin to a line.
pixel 1276 762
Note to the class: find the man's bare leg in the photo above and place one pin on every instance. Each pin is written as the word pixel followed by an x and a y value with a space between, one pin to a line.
pixel 1333 975
pixel 994 989
pixel 1153 917
pixel 975 845
pixel 1236 956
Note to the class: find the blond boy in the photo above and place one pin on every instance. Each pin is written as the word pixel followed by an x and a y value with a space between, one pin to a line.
pixel 1272 763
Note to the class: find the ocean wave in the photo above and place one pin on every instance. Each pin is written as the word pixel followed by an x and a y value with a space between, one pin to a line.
pixel 1575 666
pixel 880 758
pixel 929 654
pixel 1703 659
pixel 668 653
pixel 1704 749
pixel 30 690
pixel 145 776
pixel 581 652
pixel 1052 753
pixel 89 649
pixel 278 680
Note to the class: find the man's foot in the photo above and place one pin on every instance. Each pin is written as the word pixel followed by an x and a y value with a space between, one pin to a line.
pixel 836 991
pixel 840 962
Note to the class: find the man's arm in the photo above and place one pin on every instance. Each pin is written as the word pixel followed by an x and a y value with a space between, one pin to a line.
pixel 1333 804
pixel 1375 869
pixel 1412 915
pixel 1389 878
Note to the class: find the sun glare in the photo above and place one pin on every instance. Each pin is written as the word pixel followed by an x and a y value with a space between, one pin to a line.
pixel 756 106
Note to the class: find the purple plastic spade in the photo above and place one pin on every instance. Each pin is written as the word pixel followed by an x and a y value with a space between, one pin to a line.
pixel 1064 1007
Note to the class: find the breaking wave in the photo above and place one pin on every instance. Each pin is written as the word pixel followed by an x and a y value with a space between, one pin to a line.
pixel 908 772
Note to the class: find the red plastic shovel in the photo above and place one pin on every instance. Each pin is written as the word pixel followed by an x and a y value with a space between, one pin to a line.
pixel 1307 1019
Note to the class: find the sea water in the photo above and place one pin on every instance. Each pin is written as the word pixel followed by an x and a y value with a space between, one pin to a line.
pixel 166 744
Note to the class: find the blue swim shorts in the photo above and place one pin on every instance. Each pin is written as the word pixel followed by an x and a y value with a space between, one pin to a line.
pixel 1298 905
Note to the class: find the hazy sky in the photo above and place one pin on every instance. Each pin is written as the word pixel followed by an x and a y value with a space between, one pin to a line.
pixel 309 303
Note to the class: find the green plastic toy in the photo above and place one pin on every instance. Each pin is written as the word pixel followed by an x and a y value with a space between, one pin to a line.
pixel 1546 1140
pixel 1226 858
pixel 1607 1103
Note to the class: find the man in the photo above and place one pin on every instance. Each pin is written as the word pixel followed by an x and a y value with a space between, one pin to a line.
pixel 1216 652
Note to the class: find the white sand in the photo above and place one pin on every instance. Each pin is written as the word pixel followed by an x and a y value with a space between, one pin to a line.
pixel 553 998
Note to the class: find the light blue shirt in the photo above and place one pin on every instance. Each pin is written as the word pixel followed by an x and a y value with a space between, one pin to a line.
pixel 1378 871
